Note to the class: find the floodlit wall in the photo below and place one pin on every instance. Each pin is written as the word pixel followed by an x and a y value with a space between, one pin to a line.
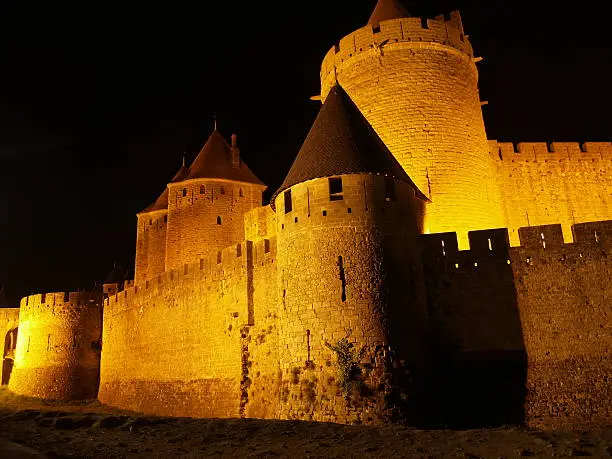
pixel 560 182
pixel 205 216
pixel 151 245
pixel 172 345
pixel 58 346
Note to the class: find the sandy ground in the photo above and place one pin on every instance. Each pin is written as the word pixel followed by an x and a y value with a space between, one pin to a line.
pixel 35 428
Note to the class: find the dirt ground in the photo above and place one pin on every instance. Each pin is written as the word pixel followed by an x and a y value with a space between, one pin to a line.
pixel 35 428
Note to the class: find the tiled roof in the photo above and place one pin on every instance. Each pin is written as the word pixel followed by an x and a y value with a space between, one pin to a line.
pixel 341 141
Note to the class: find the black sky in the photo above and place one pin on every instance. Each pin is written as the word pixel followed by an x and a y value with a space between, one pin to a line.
pixel 99 101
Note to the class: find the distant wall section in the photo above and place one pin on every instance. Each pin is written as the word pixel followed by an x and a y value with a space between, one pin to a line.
pixel 58 346
pixel 560 182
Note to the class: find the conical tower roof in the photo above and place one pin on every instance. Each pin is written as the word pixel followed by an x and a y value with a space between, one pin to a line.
pixel 161 202
pixel 341 141
pixel 215 161
pixel 386 10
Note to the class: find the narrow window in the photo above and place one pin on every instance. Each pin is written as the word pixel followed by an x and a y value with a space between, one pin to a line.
pixel 241 193
pixel 202 189
pixel 48 342
pixel 266 245
pixel 218 257
pixel 349 210
pixel 288 202
pixel 490 245
pixel 296 219
pixel 342 278
pixel 390 195
pixel 222 190
pixel 28 348
pixel 184 192
pixel 218 220
pixel 376 29
pixel 325 213
pixel 238 251
pixel 335 189
pixel 165 219
pixel 74 341
pixel 43 298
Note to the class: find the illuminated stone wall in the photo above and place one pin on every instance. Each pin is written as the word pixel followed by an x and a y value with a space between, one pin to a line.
pixel 205 216
pixel 58 346
pixel 561 182
pixel 416 82
pixel 522 332
pixel 172 345
pixel 346 270
pixel 9 321
pixel 151 245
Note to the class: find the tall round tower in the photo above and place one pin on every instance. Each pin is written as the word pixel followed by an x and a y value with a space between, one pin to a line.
pixel 206 208
pixel 416 82
pixel 347 217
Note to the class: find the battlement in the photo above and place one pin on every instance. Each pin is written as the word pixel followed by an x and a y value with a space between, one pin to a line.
pixel 493 245
pixel 231 262
pixel 550 151
pixel 64 299
pixel 414 31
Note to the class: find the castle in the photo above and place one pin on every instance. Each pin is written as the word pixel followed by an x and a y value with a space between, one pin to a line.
pixel 408 268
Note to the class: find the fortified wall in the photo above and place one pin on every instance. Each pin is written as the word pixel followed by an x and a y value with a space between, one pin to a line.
pixel 58 346
pixel 518 333
pixel 548 183
pixel 523 332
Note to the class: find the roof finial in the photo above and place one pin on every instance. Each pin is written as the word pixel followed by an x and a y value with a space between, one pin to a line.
pixel 184 155
pixel 215 119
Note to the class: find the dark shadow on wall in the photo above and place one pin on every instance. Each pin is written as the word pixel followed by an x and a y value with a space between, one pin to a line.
pixel 8 355
pixel 479 363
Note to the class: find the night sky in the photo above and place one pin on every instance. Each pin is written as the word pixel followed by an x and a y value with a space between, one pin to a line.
pixel 100 100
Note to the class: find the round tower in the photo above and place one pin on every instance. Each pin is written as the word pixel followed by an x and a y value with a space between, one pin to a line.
pixel 58 346
pixel 206 209
pixel 347 220
pixel 151 235
pixel 416 82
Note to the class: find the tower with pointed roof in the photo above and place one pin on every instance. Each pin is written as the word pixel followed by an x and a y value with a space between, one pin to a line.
pixel 347 218
pixel 206 206
pixel 415 80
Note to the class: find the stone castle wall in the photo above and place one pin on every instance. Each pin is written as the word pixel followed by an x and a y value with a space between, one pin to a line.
pixel 560 182
pixel 175 344
pixel 416 82
pixel 522 332
pixel 9 323
pixel 58 346
pixel 205 216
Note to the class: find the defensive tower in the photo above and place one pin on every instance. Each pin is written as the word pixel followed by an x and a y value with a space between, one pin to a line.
pixel 206 209
pixel 58 346
pixel 347 216
pixel 416 82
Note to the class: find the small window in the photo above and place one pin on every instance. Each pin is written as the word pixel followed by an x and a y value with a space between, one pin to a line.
pixel 184 192
pixel 218 220
pixel 288 202
pixel 222 190
pixel 266 245
pixel 325 213
pixel 335 189
pixel 165 219
pixel 202 189
pixel 241 193
pixel 390 195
